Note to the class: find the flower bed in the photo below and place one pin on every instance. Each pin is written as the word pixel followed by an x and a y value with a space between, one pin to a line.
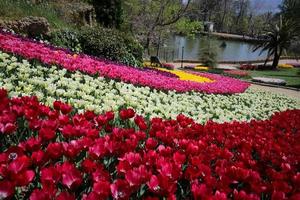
pixel 49 153
pixel 296 65
pixel 197 67
pixel 92 66
pixel 285 66
pixel 85 92
pixel 187 76
pixel 236 73
pixel 247 67
pixel 168 66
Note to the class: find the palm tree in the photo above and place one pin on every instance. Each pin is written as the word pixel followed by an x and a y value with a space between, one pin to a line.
pixel 278 39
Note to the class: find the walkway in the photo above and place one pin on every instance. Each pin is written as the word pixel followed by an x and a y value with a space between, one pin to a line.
pixel 290 93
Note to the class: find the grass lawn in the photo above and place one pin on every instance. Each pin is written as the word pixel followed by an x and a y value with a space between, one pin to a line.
pixel 291 76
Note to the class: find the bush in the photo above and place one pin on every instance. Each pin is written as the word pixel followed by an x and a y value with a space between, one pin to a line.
pixel 209 53
pixel 111 44
pixel 188 27
pixel 66 38
pixel 17 9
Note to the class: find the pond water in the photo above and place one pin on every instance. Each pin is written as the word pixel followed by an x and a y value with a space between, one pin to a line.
pixel 233 51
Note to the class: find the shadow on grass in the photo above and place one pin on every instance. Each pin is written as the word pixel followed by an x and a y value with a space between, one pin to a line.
pixel 294 86
pixel 280 75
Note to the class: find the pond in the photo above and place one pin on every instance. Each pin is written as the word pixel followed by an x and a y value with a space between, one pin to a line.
pixel 232 51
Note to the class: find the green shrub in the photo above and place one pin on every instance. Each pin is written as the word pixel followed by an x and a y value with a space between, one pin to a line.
pixel 66 38
pixel 17 9
pixel 209 53
pixel 111 44
pixel 185 26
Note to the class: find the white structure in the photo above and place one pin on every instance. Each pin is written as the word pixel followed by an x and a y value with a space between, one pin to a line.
pixel 209 26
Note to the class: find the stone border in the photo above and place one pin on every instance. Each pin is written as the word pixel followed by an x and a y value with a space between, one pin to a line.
pixel 272 85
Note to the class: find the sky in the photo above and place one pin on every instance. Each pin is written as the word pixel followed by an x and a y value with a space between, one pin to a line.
pixel 266 5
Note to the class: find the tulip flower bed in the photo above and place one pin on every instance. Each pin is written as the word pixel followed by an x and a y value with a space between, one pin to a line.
pixel 52 154
pixel 236 73
pixel 85 92
pixel 73 62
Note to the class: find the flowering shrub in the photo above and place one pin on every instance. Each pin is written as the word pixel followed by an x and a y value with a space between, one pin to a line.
pixel 73 62
pixel 85 92
pixel 52 154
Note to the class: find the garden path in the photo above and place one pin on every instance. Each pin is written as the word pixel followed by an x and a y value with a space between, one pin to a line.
pixel 290 93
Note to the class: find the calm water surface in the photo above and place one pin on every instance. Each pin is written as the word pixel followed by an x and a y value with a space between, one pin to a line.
pixel 234 50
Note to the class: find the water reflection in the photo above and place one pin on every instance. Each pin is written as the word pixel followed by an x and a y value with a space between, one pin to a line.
pixel 232 51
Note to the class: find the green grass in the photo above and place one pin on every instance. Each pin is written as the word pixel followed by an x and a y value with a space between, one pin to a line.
pixel 16 9
pixel 291 76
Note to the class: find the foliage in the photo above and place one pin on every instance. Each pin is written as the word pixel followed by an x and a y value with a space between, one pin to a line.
pixel 290 11
pixel 66 38
pixel 278 39
pixel 209 53
pixel 108 12
pixel 110 44
pixel 12 10
pixel 188 27
pixel 148 19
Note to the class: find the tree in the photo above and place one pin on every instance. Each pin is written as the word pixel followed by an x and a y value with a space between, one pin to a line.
pixel 209 53
pixel 148 18
pixel 278 39
pixel 290 11
pixel 108 12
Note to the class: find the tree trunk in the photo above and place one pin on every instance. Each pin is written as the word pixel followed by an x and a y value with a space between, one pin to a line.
pixel 277 58
pixel 275 61
pixel 223 16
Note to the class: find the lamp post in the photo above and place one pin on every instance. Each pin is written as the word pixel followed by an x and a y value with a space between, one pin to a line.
pixel 182 54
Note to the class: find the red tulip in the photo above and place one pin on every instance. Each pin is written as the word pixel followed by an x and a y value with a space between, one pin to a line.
pixel 120 189
pixel 71 177
pixel 54 150
pixel 7 189
pixel 47 134
pixel 39 195
pixel 65 196
pixel 102 189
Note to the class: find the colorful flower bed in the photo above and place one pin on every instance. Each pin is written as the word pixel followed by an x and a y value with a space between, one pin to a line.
pixel 247 67
pixel 73 62
pixel 236 73
pixel 186 76
pixel 296 65
pixel 51 154
pixel 85 92
pixel 285 66
pixel 168 66
pixel 197 67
